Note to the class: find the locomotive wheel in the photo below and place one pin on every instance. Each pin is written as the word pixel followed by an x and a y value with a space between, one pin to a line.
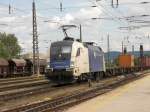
pixel 98 76
pixel 79 79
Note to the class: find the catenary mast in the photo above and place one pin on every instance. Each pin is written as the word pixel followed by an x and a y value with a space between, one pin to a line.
pixel 35 42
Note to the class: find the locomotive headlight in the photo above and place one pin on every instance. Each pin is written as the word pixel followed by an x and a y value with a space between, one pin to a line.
pixel 71 64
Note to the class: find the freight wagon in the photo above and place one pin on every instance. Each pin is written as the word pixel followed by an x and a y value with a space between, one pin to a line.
pixel 126 60
pixel 19 67
pixel 4 67
pixel 43 64
pixel 144 61
pixel 16 66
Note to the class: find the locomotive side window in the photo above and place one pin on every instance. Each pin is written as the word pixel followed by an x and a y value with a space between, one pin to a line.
pixel 78 52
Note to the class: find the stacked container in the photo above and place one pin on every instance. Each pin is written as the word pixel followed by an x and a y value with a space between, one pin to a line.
pixel 126 60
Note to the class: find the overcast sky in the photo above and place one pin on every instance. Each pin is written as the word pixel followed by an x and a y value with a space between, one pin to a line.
pixel 78 12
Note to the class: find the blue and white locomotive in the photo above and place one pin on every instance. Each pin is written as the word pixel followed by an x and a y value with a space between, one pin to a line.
pixel 72 60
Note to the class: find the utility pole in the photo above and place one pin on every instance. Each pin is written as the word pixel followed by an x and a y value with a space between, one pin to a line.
pixel 141 55
pixel 61 7
pixel 141 51
pixel 115 5
pixel 9 9
pixel 108 51
pixel 122 47
pixel 80 33
pixel 132 49
pixel 35 42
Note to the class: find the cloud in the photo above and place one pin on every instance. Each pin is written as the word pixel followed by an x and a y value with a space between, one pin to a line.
pixel 76 17
pixel 7 19
pixel 21 24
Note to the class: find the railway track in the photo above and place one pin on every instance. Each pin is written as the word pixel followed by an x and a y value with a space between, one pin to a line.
pixel 74 98
pixel 18 93
pixel 21 78
pixel 28 91
pixel 22 85
pixel 19 81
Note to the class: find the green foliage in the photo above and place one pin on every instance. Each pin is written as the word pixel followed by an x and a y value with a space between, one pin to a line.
pixel 9 47
pixel 3 51
pixel 113 63
pixel 116 61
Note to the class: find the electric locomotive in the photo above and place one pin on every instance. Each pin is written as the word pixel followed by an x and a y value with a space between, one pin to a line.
pixel 72 60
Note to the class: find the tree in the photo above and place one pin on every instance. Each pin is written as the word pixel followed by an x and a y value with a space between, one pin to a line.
pixel 3 51
pixel 9 47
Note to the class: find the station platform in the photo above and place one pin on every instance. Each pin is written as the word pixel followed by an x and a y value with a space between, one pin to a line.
pixel 132 97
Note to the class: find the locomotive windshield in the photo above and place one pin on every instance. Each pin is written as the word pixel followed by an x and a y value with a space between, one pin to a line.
pixel 61 50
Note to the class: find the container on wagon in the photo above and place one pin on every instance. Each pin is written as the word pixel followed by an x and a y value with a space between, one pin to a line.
pixel 145 61
pixel 126 60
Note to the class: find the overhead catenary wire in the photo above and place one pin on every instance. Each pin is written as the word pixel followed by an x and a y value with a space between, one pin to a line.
pixel 107 12
pixel 128 18
pixel 45 17
pixel 115 18
pixel 130 3
pixel 126 21
pixel 24 11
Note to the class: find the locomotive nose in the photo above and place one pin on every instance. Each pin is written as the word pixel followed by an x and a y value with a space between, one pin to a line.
pixel 60 76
